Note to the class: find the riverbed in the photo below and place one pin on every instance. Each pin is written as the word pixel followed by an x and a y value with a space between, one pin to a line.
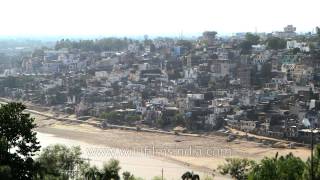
pixel 137 162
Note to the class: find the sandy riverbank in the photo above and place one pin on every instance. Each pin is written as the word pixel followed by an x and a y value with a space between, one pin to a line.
pixel 101 145
pixel 202 153
pixel 138 164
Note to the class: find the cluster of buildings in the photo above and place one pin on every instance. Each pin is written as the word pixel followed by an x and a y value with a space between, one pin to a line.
pixel 201 84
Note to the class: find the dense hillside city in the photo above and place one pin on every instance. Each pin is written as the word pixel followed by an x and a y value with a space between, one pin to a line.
pixel 263 83
pixel 159 90
pixel 244 106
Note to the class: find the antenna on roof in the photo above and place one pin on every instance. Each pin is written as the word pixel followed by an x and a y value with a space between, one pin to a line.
pixel 181 35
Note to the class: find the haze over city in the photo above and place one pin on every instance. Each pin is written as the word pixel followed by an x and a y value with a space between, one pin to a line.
pixel 154 17
pixel 159 90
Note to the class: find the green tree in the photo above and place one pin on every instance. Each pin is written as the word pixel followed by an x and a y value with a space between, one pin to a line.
pixel 295 50
pixel 190 175
pixel 179 120
pixel 112 117
pixel 160 122
pixel 285 167
pixel 128 176
pixel 5 172
pixel 92 173
pixel 237 168
pixel 253 39
pixel 276 43
pixel 132 118
pixel 98 45
pixel 110 170
pixel 316 165
pixel 246 45
pixel 62 162
pixel 18 140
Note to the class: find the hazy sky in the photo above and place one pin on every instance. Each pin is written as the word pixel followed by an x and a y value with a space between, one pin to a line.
pixel 154 17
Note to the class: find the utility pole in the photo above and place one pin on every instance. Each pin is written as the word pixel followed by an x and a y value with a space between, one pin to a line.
pixel 312 175
pixel 162 174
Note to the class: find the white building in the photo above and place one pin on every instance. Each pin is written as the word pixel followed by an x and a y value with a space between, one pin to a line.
pixel 160 101
pixel 191 73
pixel 101 74
pixel 195 96
pixel 248 125
pixel 301 45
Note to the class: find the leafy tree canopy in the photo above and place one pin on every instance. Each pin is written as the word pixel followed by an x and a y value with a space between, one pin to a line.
pixel 237 168
pixel 252 38
pixel 246 45
pixel 98 45
pixel 18 142
pixel 284 167
pixel 276 43
pixel 316 165
pixel 59 161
